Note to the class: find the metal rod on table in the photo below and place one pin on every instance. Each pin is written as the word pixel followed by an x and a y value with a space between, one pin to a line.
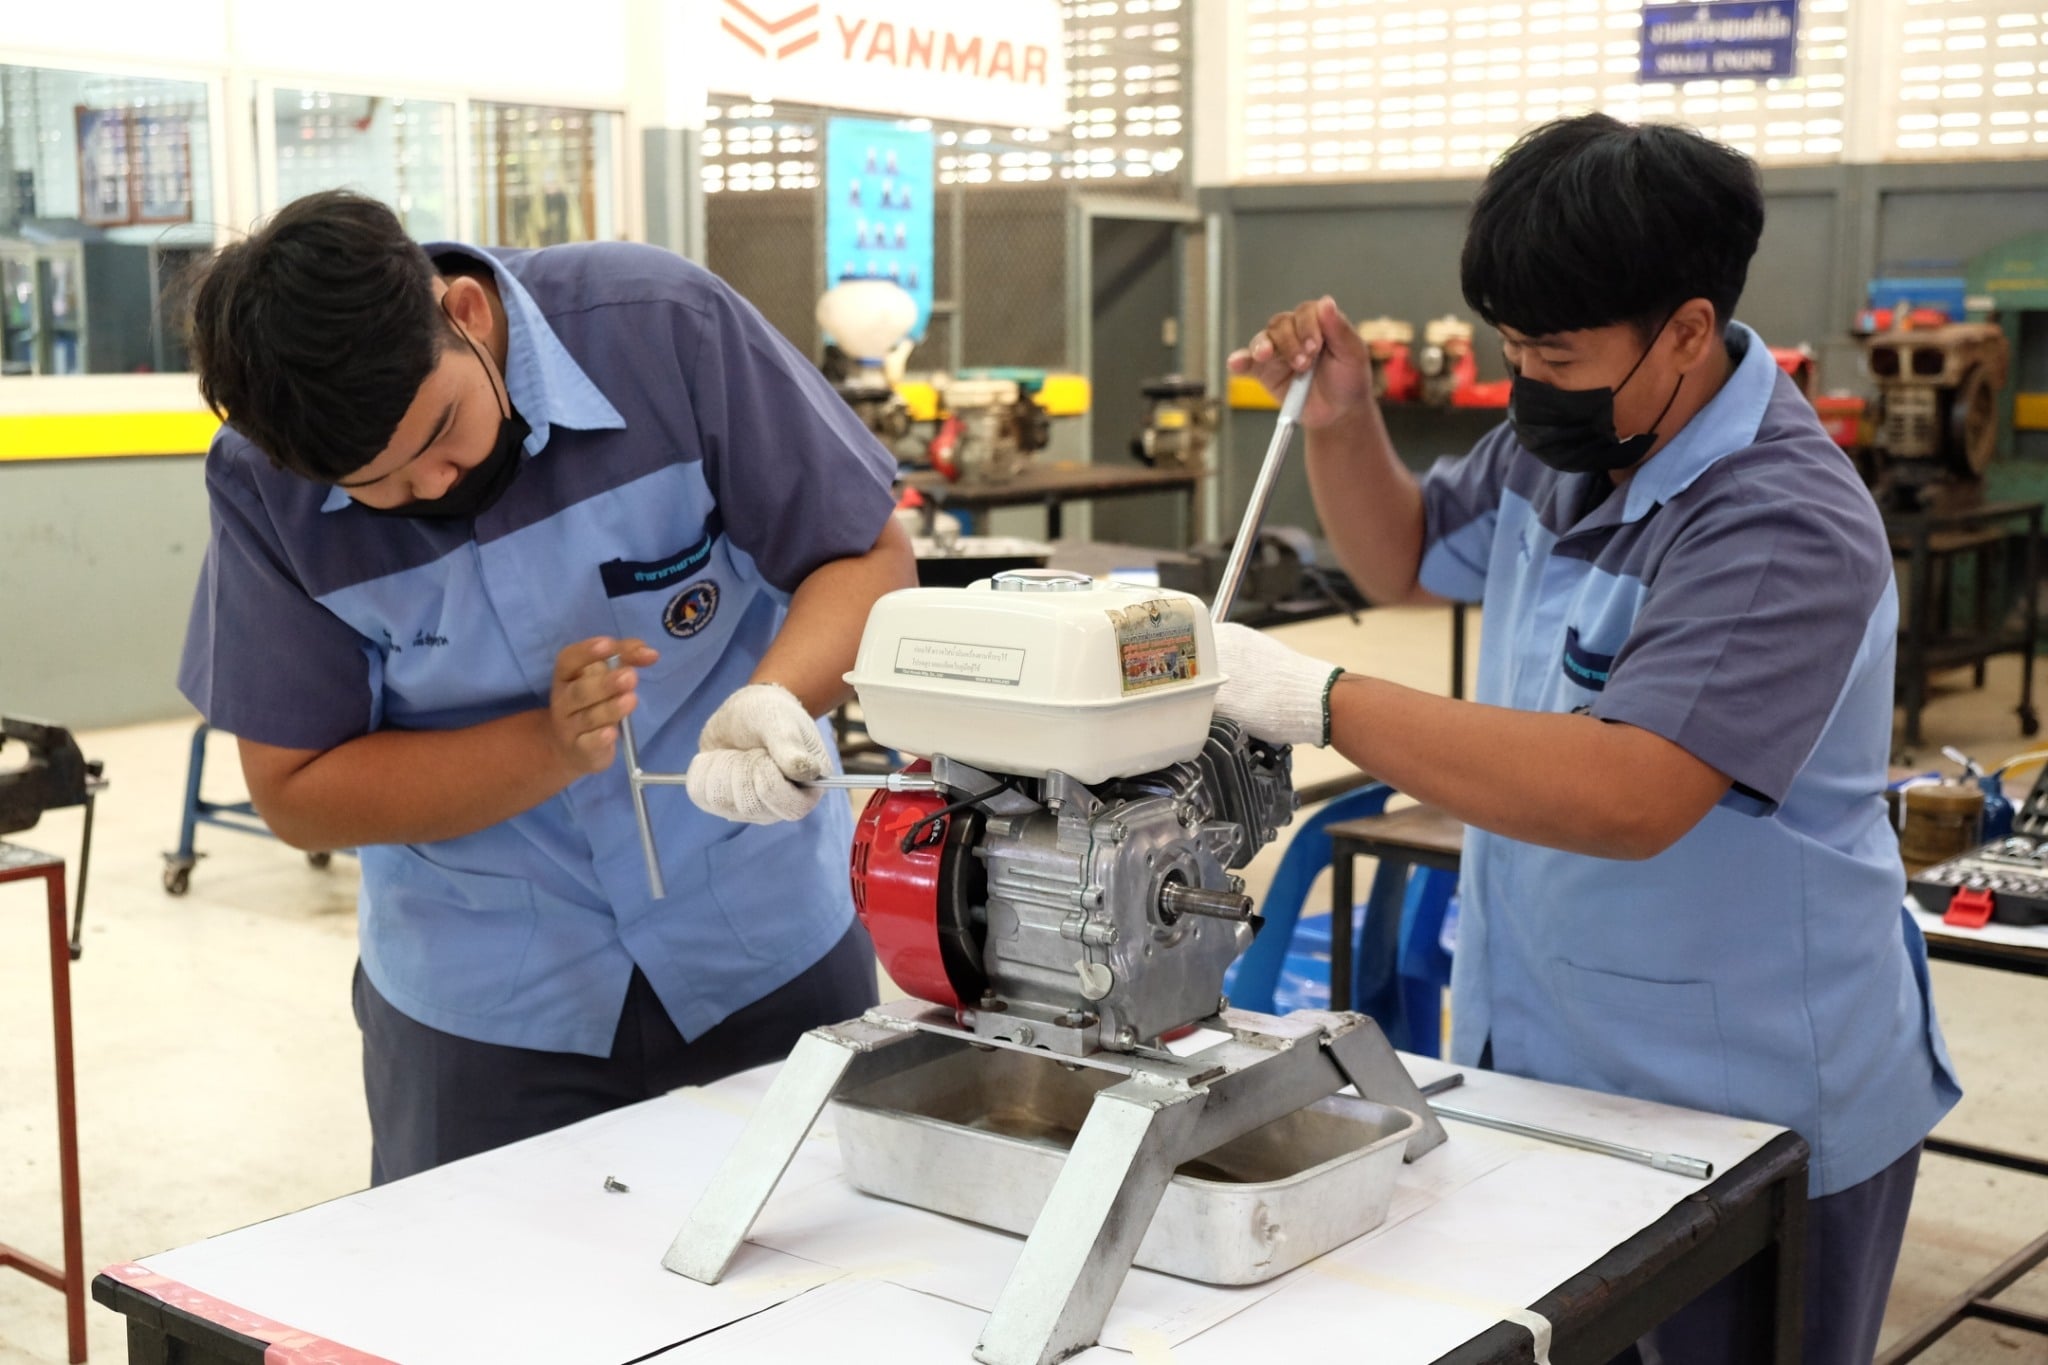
pixel 1691 1166
pixel 1262 493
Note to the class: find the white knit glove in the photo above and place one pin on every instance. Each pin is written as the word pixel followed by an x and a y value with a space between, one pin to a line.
pixel 1279 695
pixel 754 750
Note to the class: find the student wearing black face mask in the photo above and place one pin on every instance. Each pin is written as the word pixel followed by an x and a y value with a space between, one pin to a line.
pixel 452 486
pixel 1680 882
pixel 477 489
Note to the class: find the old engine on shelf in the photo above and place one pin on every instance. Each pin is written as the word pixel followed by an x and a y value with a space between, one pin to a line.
pixel 1448 363
pixel 1935 422
pixel 1391 343
pixel 1180 422
pixel 875 401
pixel 991 429
pixel 869 322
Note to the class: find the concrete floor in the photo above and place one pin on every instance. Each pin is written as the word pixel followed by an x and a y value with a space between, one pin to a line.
pixel 218 1068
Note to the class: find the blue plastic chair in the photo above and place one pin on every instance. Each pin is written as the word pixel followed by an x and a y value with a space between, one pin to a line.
pixel 1252 979
pixel 1402 995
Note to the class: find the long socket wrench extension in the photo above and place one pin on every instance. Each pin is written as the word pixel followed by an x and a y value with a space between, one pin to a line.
pixel 1694 1167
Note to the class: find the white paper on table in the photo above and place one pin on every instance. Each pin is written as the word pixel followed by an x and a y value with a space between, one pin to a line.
pixel 836 1225
pixel 1426 1286
pixel 1423 1184
pixel 399 1270
pixel 848 1322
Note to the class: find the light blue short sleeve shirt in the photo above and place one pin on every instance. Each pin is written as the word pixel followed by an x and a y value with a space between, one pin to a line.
pixel 1735 597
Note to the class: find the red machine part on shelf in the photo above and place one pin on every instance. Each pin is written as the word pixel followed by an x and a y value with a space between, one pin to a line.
pixel 1492 393
pixel 1797 363
pixel 1842 415
pixel 944 450
pixel 1401 381
pixel 896 890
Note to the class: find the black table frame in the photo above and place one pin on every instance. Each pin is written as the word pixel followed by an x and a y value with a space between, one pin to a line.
pixel 1754 1213
pixel 1382 948
pixel 1751 1214
pixel 1913 536
pixel 1052 487
pixel 1975 1302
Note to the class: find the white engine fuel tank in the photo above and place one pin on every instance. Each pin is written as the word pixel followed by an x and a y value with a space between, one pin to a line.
pixel 1040 670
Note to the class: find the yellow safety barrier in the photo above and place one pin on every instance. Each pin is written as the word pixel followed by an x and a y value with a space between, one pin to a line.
pixel 1248 393
pixel 1062 395
pixel 921 398
pixel 100 435
pixel 103 435
pixel 1065 395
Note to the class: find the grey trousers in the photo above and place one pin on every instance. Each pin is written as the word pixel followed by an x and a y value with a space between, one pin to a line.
pixel 1852 1247
pixel 435 1097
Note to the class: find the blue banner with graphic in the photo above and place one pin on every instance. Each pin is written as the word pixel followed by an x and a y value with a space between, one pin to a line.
pixel 878 219
pixel 1723 40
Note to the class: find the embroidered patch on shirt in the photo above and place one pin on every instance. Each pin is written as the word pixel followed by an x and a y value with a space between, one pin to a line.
pixel 690 610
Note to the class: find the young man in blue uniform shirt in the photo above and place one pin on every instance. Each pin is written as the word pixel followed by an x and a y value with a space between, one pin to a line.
pixel 1680 883
pixel 453 487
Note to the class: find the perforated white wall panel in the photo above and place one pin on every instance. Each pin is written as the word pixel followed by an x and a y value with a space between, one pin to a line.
pixel 1967 79
pixel 1385 89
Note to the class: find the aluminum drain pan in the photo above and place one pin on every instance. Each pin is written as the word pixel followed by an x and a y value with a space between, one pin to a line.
pixel 983 1136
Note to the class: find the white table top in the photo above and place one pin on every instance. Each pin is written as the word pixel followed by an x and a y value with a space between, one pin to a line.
pixel 521 1255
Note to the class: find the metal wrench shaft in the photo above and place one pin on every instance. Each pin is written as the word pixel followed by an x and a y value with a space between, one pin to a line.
pixel 1691 1166
pixel 868 782
pixel 637 783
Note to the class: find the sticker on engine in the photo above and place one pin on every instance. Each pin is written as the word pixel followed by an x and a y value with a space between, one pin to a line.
pixel 1156 641
pixel 991 665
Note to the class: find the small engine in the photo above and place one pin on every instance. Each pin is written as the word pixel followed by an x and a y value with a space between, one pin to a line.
pixel 1936 411
pixel 991 430
pixel 1067 917
pixel 1180 422
pixel 1054 879
pixel 875 401
pixel 1069 885
pixel 1447 362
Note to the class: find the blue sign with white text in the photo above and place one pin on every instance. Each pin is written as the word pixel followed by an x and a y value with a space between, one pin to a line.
pixel 1724 40
pixel 878 215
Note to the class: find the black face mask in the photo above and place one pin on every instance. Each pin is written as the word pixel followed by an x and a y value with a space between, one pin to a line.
pixel 1572 430
pixel 478 490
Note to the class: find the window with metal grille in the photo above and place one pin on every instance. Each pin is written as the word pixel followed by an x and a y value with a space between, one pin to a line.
pixel 1383 89
pixel 749 146
pixel 1127 96
pixel 1965 79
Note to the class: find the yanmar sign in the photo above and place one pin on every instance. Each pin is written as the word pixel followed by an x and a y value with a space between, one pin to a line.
pixel 977 63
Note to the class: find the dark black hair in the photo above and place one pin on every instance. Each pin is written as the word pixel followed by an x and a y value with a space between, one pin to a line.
pixel 1589 221
pixel 313 335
